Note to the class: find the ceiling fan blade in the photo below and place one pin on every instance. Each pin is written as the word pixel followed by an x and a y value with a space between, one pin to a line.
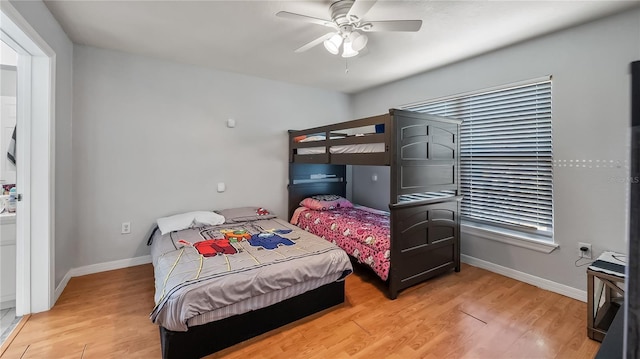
pixel 305 18
pixel 392 25
pixel 360 8
pixel 315 42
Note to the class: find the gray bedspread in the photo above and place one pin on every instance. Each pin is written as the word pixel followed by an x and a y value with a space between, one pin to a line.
pixel 189 284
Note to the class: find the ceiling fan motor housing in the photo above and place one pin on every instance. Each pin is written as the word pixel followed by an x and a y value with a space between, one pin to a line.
pixel 339 11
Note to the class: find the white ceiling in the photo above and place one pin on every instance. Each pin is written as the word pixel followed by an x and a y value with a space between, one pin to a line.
pixel 246 36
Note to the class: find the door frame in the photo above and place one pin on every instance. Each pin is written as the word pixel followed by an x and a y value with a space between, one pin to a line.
pixel 35 148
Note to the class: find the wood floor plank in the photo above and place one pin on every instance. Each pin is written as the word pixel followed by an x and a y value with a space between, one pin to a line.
pixel 471 314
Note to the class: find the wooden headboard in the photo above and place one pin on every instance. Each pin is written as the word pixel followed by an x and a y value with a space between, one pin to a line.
pixel 306 180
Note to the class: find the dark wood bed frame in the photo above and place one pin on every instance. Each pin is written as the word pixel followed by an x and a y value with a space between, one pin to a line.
pixel 202 340
pixel 423 154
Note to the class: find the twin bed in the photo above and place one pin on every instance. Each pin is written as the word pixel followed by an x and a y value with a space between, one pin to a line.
pixel 362 232
pixel 220 284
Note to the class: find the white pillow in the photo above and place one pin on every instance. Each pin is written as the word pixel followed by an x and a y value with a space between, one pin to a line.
pixel 208 217
pixel 182 221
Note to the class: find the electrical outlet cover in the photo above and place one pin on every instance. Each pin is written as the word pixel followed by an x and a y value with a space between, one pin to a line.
pixel 587 254
pixel 126 228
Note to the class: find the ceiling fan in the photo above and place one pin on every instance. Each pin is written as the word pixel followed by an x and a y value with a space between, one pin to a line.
pixel 347 24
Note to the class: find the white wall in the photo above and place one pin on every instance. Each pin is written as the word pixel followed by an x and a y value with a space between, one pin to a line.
pixel 591 117
pixel 8 81
pixel 39 17
pixel 150 140
pixel 363 186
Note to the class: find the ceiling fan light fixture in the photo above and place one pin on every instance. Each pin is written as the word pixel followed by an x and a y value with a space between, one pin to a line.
pixel 347 50
pixel 333 43
pixel 358 40
pixel 348 27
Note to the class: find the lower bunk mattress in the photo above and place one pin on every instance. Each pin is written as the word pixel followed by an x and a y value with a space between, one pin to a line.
pixel 363 233
pixel 211 273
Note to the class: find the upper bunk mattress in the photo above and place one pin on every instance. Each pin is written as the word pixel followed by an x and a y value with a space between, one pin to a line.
pixel 359 148
pixel 363 234
pixel 201 277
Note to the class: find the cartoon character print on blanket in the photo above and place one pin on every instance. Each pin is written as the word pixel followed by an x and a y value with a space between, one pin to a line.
pixel 213 247
pixel 235 236
pixel 211 243
pixel 269 240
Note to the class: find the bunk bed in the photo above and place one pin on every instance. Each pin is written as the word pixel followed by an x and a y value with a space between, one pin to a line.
pixel 422 152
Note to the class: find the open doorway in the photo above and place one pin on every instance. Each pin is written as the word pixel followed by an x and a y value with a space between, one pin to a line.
pixel 34 146
pixel 8 111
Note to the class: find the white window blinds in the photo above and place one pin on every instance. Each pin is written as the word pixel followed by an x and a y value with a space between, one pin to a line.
pixel 506 155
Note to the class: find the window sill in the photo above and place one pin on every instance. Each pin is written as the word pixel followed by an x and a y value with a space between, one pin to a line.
pixel 492 233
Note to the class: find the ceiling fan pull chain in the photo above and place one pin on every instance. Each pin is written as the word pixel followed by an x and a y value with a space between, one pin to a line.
pixel 346 66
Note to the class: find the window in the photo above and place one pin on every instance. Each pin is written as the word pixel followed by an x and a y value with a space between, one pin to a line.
pixel 506 155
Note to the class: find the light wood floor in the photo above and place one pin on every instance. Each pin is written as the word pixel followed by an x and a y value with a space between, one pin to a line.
pixel 471 314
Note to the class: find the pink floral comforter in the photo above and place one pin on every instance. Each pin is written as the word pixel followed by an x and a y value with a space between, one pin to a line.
pixel 362 234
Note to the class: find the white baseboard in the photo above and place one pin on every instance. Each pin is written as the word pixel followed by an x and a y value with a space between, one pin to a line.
pixel 99 267
pixel 546 284
pixel 8 297
pixel 8 303
pixel 103 267
pixel 61 286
